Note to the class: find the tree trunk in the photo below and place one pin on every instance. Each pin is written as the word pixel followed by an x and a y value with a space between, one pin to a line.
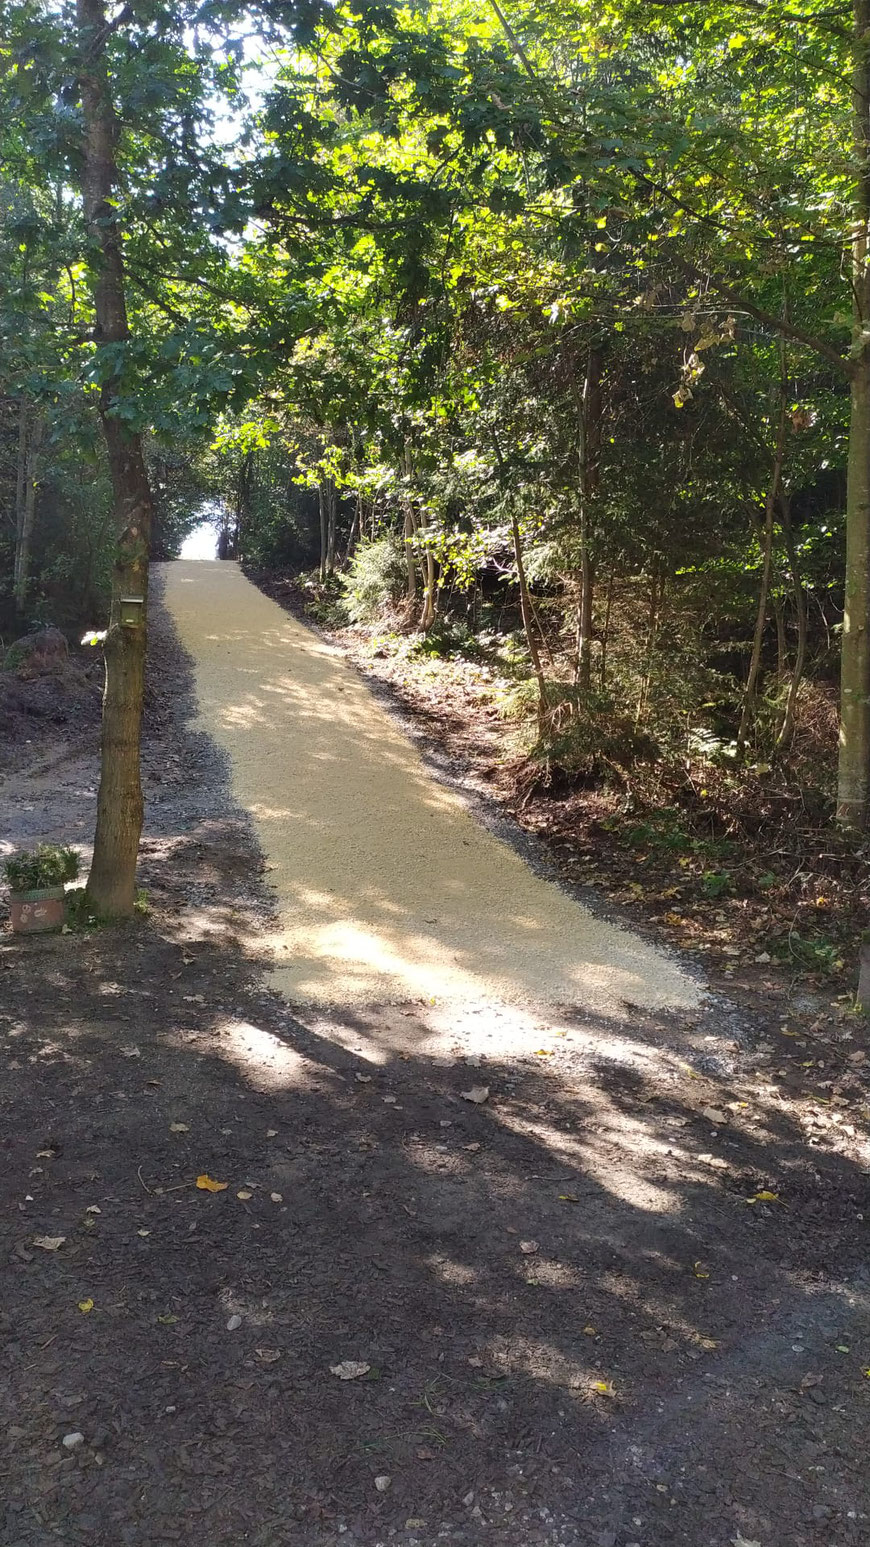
pixel 111 888
pixel 20 479
pixel 528 625
pixel 583 668
pixel 656 592
pixel 331 514
pixel 589 460
pixel 409 554
pixel 430 587
pixel 751 689
pixel 854 769
pixel 324 531
pixel 786 733
pixel 605 633
pixel 24 542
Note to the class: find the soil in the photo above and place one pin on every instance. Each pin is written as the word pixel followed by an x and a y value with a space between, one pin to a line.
pixel 624 1299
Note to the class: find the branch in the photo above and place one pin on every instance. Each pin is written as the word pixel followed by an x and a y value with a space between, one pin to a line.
pixel 779 325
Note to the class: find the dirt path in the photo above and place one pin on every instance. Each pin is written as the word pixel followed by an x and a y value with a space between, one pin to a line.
pixel 389 890
pixel 579 1331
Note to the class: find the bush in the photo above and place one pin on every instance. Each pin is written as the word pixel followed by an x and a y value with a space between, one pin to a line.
pixel 377 575
pixel 34 869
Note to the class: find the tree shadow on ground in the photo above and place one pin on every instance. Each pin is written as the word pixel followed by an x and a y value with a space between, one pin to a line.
pixel 666 1365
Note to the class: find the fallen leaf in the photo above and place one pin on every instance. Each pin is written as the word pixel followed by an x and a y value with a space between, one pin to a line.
pixel 605 1387
pixel 271 1133
pixel 85 1306
pixel 167 1321
pixel 276 1197
pixel 472 1147
pixel 208 1184
pixel 350 1369
pixel 244 1194
pixel 267 1355
pixel 143 1232
pixel 178 1128
pixel 700 1270
pixel 49 1243
pixel 544 1052
pixel 713 1115
pixel 568 1197
pixel 590 1332
pixel 529 1247
pixel 765 1197
pixel 477 1095
pixel 363 1079
pixel 741 1541
pixel 93 1208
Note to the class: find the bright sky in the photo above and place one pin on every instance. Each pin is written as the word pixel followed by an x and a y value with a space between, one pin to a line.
pixel 201 544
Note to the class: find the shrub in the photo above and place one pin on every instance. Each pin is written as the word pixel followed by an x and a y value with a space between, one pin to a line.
pixel 376 576
pixel 51 864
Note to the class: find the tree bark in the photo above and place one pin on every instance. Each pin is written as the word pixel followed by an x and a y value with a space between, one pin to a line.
pixel 411 588
pixel 786 733
pixel 430 586
pixel 331 515
pixel 750 692
pixel 27 518
pixel 111 887
pixel 589 460
pixel 528 625
pixel 324 530
pixel 853 793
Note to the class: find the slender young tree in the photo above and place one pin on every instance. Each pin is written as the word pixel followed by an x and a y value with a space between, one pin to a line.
pixel 111 888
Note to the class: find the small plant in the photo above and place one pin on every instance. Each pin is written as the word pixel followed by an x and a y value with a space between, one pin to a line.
pixel 375 577
pixel 34 870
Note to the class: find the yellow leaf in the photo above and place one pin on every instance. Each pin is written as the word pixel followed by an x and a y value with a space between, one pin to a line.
pixel 606 1387
pixel 765 1197
pixel 568 1197
pixel 700 1270
pixel 590 1332
pixel 85 1306
pixel 543 1052
pixel 208 1184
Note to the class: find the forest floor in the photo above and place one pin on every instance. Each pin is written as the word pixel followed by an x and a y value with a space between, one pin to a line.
pixel 623 1300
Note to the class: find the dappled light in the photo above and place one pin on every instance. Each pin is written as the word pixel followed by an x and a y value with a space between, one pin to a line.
pixel 387 888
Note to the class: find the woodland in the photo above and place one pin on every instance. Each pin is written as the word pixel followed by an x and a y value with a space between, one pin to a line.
pixel 361 1185
pixel 539 335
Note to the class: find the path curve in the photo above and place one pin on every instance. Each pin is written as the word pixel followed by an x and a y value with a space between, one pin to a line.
pixel 388 888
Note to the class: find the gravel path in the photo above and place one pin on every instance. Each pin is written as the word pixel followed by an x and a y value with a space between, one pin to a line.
pixel 388 887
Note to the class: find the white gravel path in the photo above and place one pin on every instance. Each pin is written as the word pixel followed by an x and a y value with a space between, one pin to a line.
pixel 389 889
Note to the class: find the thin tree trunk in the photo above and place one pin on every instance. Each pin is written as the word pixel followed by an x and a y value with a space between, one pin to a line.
pixel 655 601
pixel 781 643
pixel 583 669
pixel 324 530
pixel 588 460
pixel 409 554
pixel 331 514
pixel 111 887
pixel 430 584
pixel 751 690
pixel 786 733
pixel 24 543
pixel 853 792
pixel 605 633
pixel 20 478
pixel 528 626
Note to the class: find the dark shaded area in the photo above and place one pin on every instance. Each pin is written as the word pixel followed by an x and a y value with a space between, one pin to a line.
pixel 734 1335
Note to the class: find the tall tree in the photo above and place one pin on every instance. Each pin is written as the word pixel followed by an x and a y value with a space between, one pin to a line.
pixel 111 888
